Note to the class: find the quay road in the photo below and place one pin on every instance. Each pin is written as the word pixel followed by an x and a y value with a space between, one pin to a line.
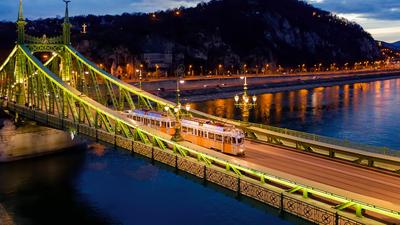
pixel 199 82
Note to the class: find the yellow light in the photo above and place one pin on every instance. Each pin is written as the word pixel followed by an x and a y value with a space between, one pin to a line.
pixel 187 107
pixel 254 98
pixel 236 98
pixel 166 108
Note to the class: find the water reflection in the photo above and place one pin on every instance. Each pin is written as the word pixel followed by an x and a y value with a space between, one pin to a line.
pixel 343 111
pixel 42 191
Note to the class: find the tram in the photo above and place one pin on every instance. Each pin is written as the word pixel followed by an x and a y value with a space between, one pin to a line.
pixel 206 133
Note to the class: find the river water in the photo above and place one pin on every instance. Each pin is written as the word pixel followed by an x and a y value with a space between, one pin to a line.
pixel 368 113
pixel 102 185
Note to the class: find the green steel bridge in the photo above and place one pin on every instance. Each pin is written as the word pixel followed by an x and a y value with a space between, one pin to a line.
pixel 68 92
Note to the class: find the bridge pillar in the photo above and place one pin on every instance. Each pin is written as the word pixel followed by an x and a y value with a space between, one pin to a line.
pixel 66 26
pixel 21 25
pixel 19 78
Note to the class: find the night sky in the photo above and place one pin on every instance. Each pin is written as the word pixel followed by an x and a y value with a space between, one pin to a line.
pixel 379 17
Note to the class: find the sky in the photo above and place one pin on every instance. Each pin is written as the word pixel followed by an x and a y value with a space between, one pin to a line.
pixel 381 18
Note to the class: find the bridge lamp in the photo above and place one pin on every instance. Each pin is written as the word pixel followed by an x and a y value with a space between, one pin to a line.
pixel 166 108
pixel 182 81
pixel 176 110
pixel 246 99
pixel 187 107
pixel 86 72
pixel 254 98
pixel 236 98
pixel 54 53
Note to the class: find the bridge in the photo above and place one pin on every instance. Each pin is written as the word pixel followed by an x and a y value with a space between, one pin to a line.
pixel 322 180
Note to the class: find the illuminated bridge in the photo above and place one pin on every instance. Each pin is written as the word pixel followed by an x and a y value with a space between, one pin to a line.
pixel 322 180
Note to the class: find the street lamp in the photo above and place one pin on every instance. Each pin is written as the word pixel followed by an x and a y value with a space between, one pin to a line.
pixel 187 107
pixel 140 77
pixel 245 102
pixel 177 137
pixel 178 94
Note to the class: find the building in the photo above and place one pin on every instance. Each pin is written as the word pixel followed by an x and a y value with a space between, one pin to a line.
pixel 158 61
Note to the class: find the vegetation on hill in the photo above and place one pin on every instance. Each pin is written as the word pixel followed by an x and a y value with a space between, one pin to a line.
pixel 227 32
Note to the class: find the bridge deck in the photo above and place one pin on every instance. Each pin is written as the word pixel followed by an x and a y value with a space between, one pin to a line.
pixel 354 182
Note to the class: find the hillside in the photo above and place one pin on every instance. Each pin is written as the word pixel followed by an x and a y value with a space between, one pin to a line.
pixel 397 44
pixel 231 32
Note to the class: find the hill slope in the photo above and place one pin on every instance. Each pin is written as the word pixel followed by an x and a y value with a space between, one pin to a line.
pixel 285 32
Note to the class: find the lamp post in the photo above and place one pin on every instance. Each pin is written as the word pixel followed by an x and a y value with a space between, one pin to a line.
pixel 140 78
pixel 244 102
pixel 177 137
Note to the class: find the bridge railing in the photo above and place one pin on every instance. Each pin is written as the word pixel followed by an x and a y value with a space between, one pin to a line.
pixel 330 140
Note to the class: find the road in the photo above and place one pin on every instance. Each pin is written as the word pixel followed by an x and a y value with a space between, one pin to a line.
pixel 347 177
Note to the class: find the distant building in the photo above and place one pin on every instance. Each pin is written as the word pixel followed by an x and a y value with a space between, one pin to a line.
pixel 163 61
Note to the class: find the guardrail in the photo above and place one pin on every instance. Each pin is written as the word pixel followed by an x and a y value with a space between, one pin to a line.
pixel 231 176
pixel 329 140
pixel 383 159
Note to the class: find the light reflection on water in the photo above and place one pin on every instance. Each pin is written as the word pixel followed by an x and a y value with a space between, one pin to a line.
pixel 362 112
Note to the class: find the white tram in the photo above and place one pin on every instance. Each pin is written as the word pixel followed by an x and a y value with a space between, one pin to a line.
pixel 206 133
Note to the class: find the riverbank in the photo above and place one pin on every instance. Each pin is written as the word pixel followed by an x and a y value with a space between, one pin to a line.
pixel 204 89
pixel 30 140
pixel 5 218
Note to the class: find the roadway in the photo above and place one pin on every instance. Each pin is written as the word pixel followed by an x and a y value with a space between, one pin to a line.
pixel 350 178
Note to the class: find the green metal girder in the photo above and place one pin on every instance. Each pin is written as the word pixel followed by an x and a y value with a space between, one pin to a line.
pixel 345 205
pixel 233 168
pixel 143 137
pixel 159 143
pixel 299 188
pixel 204 159
pixel 179 150
pixel 131 89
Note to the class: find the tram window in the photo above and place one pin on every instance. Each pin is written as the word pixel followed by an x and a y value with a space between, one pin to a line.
pixel 190 130
pixel 163 124
pixel 172 124
pixel 210 135
pixel 158 123
pixel 184 129
pixel 228 140
pixel 200 133
pixel 219 137
pixel 240 140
